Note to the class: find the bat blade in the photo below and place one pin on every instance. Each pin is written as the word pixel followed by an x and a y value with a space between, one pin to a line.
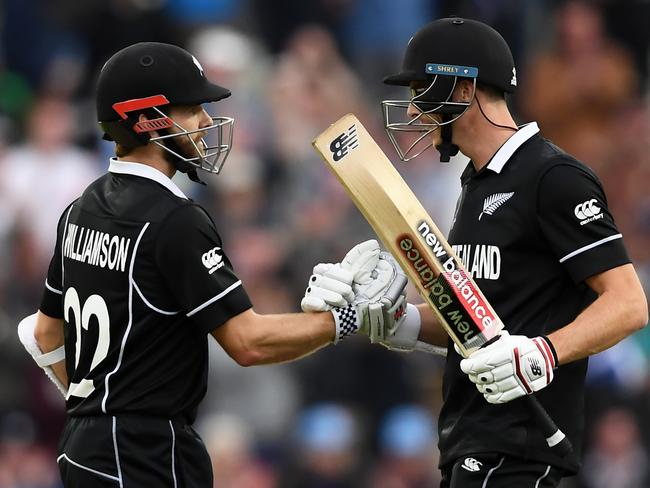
pixel 408 232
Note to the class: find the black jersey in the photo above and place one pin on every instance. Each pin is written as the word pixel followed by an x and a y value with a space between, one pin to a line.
pixel 140 277
pixel 530 227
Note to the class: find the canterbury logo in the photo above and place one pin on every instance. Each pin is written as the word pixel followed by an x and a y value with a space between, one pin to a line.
pixel 535 367
pixel 212 260
pixel 513 81
pixel 493 202
pixel 344 143
pixel 471 464
pixel 588 211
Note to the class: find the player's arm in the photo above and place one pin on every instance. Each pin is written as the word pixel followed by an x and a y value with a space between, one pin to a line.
pixel 431 331
pixel 572 214
pixel 253 339
pixel 620 310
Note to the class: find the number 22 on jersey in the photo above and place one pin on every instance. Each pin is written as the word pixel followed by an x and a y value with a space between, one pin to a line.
pixel 94 306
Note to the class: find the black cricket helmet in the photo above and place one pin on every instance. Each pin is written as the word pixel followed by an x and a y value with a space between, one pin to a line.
pixel 150 78
pixel 439 55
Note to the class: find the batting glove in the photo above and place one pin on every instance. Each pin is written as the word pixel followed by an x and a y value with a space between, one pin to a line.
pixel 330 285
pixel 379 304
pixel 511 367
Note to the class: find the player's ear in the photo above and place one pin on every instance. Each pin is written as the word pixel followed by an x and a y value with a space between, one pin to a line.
pixel 463 91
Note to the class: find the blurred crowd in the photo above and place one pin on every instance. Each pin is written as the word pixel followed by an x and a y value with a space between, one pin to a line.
pixel 351 415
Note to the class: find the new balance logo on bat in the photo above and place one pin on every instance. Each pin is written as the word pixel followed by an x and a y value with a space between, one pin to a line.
pixel 344 143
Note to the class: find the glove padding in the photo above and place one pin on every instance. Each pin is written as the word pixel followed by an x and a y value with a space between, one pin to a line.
pixel 379 305
pixel 26 329
pixel 510 368
pixel 330 285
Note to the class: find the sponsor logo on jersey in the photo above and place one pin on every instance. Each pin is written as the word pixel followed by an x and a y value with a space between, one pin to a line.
pixel 588 211
pixel 493 202
pixel 481 261
pixel 471 464
pixel 344 143
pixel 212 259
pixel 96 248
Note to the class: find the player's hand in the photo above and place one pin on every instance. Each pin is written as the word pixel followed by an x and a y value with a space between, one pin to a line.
pixel 510 368
pixel 330 285
pixel 379 304
pixel 385 286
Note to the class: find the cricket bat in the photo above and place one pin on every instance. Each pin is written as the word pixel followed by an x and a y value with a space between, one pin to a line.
pixel 411 236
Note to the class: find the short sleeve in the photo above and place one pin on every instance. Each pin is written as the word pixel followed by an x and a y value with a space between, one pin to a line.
pixel 52 298
pixel 573 216
pixel 191 259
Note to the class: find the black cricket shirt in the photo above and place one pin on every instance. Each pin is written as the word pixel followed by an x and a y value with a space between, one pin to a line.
pixel 530 227
pixel 140 277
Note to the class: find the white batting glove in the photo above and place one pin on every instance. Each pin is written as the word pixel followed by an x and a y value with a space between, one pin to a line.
pixel 386 285
pixel 511 367
pixel 26 329
pixel 330 285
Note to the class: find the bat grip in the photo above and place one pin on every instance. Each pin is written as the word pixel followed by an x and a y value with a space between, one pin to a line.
pixel 555 438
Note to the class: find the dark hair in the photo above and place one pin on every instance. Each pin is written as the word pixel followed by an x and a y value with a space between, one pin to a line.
pixel 492 92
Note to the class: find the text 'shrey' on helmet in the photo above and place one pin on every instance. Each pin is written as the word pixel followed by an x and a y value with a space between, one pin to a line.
pixel 437 57
pixel 149 78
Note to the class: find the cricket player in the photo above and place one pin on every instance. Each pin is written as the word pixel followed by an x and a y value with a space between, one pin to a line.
pixel 533 228
pixel 140 278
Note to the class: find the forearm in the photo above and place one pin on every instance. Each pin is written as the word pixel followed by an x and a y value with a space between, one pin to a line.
pixel 604 323
pixel 431 331
pixel 286 337
pixel 252 339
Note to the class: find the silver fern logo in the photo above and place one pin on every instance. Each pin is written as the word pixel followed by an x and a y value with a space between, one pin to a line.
pixel 493 202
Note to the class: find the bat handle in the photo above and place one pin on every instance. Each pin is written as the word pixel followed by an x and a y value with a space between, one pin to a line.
pixel 555 438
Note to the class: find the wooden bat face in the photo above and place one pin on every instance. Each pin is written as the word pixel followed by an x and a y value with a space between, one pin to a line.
pixel 408 232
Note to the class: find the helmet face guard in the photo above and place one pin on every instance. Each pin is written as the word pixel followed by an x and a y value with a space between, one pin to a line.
pixel 209 158
pixel 435 109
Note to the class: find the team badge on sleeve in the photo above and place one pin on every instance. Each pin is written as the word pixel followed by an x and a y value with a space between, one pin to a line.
pixel 212 259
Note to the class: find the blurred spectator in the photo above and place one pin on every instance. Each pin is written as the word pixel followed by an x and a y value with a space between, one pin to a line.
pixel 617 458
pixel 39 178
pixel 575 90
pixel 230 443
pixel 622 367
pixel 409 457
pixel 327 453
pixel 24 463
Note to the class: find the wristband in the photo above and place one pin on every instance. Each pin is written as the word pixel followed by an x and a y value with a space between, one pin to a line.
pixel 548 342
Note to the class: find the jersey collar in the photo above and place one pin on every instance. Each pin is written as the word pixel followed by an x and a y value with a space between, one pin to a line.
pixel 145 171
pixel 505 152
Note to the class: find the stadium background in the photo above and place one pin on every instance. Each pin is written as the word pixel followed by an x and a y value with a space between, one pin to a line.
pixel 350 415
